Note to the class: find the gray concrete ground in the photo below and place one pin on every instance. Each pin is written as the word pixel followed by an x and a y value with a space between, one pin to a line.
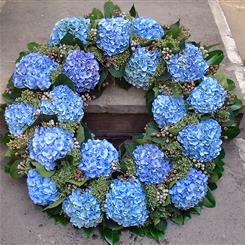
pixel 23 223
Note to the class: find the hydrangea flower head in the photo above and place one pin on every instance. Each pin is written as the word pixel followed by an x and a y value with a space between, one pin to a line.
pixel 188 192
pixel 113 35
pixel 19 116
pixel 152 166
pixel 141 66
pixel 126 203
pixel 42 190
pixel 201 141
pixel 83 69
pixel 83 209
pixel 188 65
pixel 147 28
pixel 168 109
pixel 208 96
pixel 67 105
pixel 50 144
pixel 34 71
pixel 97 158
pixel 78 27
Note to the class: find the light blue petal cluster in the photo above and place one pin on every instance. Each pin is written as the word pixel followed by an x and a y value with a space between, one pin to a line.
pixel 67 105
pixel 208 96
pixel 19 116
pixel 97 158
pixel 83 69
pixel 188 65
pixel 126 203
pixel 42 190
pixel 141 66
pixel 113 35
pixel 188 192
pixel 201 141
pixel 152 165
pixel 168 109
pixel 34 71
pixel 78 27
pixel 82 208
pixel 49 144
pixel 147 28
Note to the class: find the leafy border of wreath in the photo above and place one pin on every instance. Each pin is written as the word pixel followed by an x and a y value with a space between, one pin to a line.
pixel 227 116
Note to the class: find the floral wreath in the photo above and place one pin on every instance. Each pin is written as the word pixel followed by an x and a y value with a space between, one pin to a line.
pixel 166 173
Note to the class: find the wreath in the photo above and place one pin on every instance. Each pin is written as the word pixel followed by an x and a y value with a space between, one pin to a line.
pixel 166 173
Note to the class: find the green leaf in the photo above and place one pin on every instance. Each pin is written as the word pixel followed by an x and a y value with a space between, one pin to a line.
pixel 5 138
pixel 32 45
pixel 196 210
pixel 215 57
pixel 118 73
pixel 133 12
pixel 137 231
pixel 179 220
pixel 77 183
pixel 70 39
pixel 209 200
pixel 162 225
pixel 175 29
pixel 87 132
pixel 21 54
pixel 62 79
pixel 122 83
pixel 88 231
pixel 110 236
pixel 56 203
pixel 96 14
pixel 237 105
pixel 80 135
pixel 108 9
pixel 231 132
pixel 13 170
pixel 230 85
pixel 152 232
pixel 41 169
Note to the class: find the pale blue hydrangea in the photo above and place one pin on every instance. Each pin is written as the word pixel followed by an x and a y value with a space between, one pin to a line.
pixel 82 208
pixel 201 141
pixel 97 158
pixel 77 26
pixel 83 69
pixel 42 190
pixel 34 71
pixel 126 203
pixel 168 109
pixel 50 144
pixel 152 165
pixel 18 117
pixel 113 35
pixel 187 65
pixel 208 96
pixel 66 104
pixel 141 66
pixel 188 192
pixel 147 28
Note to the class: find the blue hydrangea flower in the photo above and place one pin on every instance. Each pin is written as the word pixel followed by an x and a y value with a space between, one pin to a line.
pixel 188 192
pixel 67 105
pixel 188 65
pixel 42 190
pixel 126 203
pixel 78 27
pixel 83 69
pixel 152 166
pixel 113 35
pixel 201 141
pixel 49 144
pixel 34 71
pixel 97 158
pixel 82 208
pixel 141 66
pixel 208 96
pixel 168 110
pixel 18 117
pixel 147 28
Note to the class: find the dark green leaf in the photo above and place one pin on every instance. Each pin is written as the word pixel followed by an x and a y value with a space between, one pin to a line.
pixel 237 105
pixel 21 54
pixel 196 210
pixel 137 231
pixel 230 84
pixel 87 132
pixel 152 232
pixel 215 57
pixel 117 73
pixel 88 231
pixel 175 29
pixel 5 138
pixel 14 172
pixel 31 46
pixel 108 9
pixel 110 236
pixel 96 14
pixel 122 83
pixel 41 169
pixel 56 203
pixel 209 200
pixel 133 12
pixel 80 135
pixel 150 95
pixel 162 225
pixel 178 219
pixel 231 132
pixel 62 79
pixel 70 39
